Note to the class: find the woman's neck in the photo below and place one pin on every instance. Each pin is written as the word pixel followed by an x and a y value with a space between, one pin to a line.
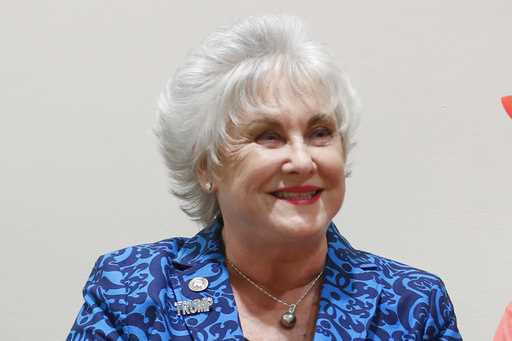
pixel 278 266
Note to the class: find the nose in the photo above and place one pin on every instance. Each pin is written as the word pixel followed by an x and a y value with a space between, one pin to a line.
pixel 299 160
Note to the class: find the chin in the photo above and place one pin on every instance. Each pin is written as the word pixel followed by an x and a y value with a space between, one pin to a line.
pixel 301 226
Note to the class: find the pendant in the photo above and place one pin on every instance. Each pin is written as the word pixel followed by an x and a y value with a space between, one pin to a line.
pixel 288 318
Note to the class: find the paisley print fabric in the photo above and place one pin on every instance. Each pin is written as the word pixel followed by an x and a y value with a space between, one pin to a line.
pixel 131 295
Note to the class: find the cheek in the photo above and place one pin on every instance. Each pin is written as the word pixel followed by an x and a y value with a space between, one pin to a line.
pixel 253 168
pixel 334 178
pixel 332 166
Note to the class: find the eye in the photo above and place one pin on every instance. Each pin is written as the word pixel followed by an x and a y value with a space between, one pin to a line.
pixel 270 138
pixel 321 135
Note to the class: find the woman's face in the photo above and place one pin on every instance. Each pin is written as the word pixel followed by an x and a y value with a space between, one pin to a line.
pixel 283 176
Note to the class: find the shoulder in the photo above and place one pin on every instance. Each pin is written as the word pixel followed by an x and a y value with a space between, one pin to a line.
pixel 127 292
pixel 417 297
pixel 365 265
pixel 134 273
pixel 390 270
pixel 141 254
pixel 400 283
pixel 133 268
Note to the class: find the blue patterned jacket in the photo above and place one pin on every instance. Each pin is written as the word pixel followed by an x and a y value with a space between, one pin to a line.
pixel 131 295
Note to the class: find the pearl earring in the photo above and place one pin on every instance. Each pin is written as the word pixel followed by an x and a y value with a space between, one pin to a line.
pixel 209 187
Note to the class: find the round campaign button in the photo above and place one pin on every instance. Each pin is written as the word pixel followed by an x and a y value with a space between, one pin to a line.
pixel 198 284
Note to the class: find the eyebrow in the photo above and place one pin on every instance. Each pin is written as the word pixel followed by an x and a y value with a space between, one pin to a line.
pixel 271 121
pixel 322 118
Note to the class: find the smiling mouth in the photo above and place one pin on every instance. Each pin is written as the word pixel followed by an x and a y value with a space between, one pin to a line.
pixel 299 197
pixel 296 196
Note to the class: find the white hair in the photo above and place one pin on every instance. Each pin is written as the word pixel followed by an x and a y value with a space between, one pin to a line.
pixel 230 73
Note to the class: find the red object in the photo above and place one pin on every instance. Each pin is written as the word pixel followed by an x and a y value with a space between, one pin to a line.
pixel 507 104
pixel 504 332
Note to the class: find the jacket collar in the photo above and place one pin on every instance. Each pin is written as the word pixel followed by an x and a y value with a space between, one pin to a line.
pixel 349 295
pixel 205 246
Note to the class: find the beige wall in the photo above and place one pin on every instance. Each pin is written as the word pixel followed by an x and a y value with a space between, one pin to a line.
pixel 80 173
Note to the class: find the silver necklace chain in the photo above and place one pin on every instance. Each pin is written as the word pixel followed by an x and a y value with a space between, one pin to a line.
pixel 309 286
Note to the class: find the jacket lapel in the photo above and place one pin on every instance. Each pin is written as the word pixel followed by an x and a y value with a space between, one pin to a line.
pixel 350 292
pixel 203 256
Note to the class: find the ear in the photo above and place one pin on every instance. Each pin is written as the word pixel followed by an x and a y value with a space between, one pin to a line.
pixel 202 174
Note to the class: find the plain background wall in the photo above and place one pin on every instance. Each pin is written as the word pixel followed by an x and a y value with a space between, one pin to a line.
pixel 80 172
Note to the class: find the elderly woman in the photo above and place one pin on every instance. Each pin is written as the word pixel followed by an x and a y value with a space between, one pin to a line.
pixel 256 128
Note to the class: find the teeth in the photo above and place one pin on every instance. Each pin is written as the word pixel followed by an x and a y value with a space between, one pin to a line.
pixel 291 195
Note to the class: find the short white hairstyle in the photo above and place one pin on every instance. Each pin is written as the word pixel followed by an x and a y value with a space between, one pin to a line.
pixel 230 73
